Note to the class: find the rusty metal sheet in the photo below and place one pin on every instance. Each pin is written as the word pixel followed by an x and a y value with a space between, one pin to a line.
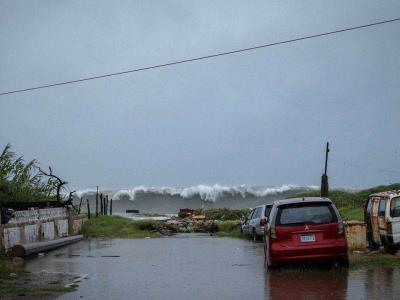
pixel 356 235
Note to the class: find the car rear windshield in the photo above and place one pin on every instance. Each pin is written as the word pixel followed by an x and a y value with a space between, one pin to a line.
pixel 306 213
pixel 267 211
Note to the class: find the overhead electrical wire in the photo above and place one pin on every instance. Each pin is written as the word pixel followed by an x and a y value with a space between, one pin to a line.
pixel 199 58
pixel 363 166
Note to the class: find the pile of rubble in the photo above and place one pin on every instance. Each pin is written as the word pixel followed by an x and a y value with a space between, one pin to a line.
pixel 188 221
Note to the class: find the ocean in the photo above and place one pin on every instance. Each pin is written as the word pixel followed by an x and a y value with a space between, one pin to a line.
pixel 168 200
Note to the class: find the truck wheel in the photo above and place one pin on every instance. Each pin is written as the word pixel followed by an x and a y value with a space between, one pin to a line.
pixel 371 244
pixel 390 249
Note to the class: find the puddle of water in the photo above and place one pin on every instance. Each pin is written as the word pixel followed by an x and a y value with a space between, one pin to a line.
pixel 203 267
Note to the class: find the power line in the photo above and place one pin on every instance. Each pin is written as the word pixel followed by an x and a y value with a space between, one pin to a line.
pixel 200 58
pixel 359 166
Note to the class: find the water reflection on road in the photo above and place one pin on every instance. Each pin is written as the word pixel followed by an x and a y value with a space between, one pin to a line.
pixel 203 267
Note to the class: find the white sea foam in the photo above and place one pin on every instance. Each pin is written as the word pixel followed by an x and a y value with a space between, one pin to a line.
pixel 80 193
pixel 208 192
pixel 140 217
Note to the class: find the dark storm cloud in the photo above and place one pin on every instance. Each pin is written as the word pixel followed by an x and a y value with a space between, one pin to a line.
pixel 258 118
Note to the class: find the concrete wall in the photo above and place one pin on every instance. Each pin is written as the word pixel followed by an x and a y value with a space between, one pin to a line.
pixel 30 226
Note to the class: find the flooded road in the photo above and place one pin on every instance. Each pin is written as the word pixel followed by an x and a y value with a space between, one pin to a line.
pixel 203 267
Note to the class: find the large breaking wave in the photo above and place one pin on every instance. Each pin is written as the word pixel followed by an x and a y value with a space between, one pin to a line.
pixel 171 199
pixel 209 193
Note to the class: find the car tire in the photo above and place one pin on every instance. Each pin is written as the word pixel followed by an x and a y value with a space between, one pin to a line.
pixel 371 244
pixel 267 259
pixel 390 249
pixel 254 235
pixel 341 263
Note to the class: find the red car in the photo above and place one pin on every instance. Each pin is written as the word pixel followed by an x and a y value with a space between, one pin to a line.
pixel 305 229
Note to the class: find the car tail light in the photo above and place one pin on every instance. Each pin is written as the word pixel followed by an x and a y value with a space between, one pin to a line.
pixel 263 222
pixel 340 227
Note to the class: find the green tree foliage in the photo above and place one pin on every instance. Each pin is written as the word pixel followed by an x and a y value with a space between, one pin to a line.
pixel 21 181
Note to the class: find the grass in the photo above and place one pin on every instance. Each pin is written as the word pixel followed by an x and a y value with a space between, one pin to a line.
pixel 10 288
pixel 5 271
pixel 119 227
pixel 229 229
pixel 225 214
pixel 371 261
pixel 349 213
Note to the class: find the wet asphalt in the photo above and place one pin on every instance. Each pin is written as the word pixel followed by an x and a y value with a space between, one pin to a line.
pixel 196 266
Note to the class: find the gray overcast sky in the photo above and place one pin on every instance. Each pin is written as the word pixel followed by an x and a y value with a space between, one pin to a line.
pixel 260 117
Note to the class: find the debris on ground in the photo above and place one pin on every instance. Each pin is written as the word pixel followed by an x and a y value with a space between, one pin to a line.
pixel 188 221
pixel 194 214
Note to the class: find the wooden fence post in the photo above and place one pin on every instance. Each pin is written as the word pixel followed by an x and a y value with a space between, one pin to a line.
pixel 111 207
pixel 106 210
pixel 101 204
pixel 88 208
pixel 97 204
pixel 80 204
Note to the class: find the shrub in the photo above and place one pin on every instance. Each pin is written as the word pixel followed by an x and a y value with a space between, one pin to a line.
pixel 22 182
pixel 226 214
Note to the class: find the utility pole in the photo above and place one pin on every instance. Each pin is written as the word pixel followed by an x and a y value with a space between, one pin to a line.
pixel 97 201
pixel 324 178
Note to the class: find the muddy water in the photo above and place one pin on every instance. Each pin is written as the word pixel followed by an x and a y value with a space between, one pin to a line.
pixel 203 267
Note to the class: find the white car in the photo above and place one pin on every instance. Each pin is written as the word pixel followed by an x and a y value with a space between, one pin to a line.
pixel 254 223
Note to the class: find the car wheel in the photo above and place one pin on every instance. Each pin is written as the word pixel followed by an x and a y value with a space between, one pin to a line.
pixel 254 235
pixel 390 249
pixel 345 263
pixel 371 244
pixel 341 263
pixel 268 262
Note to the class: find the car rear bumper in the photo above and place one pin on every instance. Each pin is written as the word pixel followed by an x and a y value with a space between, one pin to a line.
pixel 260 230
pixel 285 253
